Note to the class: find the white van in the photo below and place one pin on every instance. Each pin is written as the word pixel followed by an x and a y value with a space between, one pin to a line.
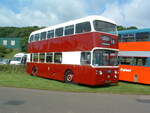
pixel 20 58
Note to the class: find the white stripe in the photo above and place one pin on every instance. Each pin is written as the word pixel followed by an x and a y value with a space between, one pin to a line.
pixel 135 53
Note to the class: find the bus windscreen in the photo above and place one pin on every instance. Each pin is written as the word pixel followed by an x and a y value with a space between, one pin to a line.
pixel 105 27
pixel 105 58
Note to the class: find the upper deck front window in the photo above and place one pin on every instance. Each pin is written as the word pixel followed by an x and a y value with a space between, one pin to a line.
pixel 105 27
pixel 83 27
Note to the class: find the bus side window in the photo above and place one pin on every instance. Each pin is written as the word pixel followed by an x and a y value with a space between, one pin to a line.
pixel 83 27
pixel 50 34
pixel 31 38
pixel 128 38
pixel 140 61
pixel 43 35
pixel 148 61
pixel 69 30
pixel 49 57
pixel 126 60
pixel 37 37
pixel 85 58
pixel 58 58
pixel 143 36
pixel 42 57
pixel 59 32
pixel 35 57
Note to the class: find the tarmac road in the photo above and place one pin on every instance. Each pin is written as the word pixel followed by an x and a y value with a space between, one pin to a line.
pixel 18 100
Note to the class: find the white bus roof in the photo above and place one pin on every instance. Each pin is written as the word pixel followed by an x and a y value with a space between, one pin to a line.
pixel 73 22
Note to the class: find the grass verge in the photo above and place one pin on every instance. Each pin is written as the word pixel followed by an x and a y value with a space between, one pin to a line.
pixel 20 79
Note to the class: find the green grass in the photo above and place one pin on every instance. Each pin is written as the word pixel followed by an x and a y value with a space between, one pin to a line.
pixel 21 79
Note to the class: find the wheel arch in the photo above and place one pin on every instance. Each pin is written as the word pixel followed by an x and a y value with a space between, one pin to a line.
pixel 67 71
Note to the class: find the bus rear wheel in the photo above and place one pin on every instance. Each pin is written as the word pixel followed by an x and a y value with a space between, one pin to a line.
pixel 34 71
pixel 69 76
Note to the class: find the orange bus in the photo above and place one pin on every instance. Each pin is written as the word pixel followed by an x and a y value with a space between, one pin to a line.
pixel 134 55
pixel 81 51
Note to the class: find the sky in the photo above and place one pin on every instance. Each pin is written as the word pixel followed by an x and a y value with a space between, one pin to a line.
pixel 22 13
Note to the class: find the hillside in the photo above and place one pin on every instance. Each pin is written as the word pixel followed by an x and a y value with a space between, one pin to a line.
pixel 17 31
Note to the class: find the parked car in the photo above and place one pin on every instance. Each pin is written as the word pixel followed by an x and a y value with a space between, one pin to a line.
pixel 4 61
pixel 20 58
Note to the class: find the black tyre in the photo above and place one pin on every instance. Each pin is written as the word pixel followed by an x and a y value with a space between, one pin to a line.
pixel 69 76
pixel 34 71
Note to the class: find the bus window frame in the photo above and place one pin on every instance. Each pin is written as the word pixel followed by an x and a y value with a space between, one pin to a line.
pixel 31 37
pixel 50 33
pixel 52 57
pixel 116 31
pixel 97 48
pixel 37 58
pixel 90 59
pixel 73 26
pixel 131 60
pixel 139 37
pixel 76 25
pixel 41 38
pixel 56 36
pixel 40 54
pixel 136 61
pixel 55 59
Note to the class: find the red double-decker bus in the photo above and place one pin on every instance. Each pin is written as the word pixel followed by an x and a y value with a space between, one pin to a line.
pixel 82 51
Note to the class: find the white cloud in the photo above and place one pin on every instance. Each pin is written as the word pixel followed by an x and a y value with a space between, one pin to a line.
pixel 134 13
pixel 42 13
pixel 114 12
pixel 138 13
pixel 50 12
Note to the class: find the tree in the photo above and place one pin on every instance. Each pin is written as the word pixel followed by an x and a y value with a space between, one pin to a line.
pixel 3 51
pixel 17 31
pixel 126 28
pixel 24 43
pixel 132 27
pixel 119 28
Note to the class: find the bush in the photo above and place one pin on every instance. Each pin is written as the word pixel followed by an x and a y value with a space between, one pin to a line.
pixel 4 51
pixel 12 68
pixel 24 42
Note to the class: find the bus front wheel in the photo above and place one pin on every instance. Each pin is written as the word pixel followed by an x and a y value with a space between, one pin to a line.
pixel 34 71
pixel 69 76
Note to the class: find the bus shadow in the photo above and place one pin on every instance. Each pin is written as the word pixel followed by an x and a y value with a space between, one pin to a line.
pixel 97 86
pixel 134 83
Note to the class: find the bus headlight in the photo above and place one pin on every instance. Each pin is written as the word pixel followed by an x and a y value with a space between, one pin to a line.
pixel 116 72
pixel 115 76
pixel 108 76
pixel 99 72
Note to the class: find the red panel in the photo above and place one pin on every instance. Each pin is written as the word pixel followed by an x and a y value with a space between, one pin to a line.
pixel 80 42
pixel 109 75
pixel 82 74
pixel 137 74
pixel 134 46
